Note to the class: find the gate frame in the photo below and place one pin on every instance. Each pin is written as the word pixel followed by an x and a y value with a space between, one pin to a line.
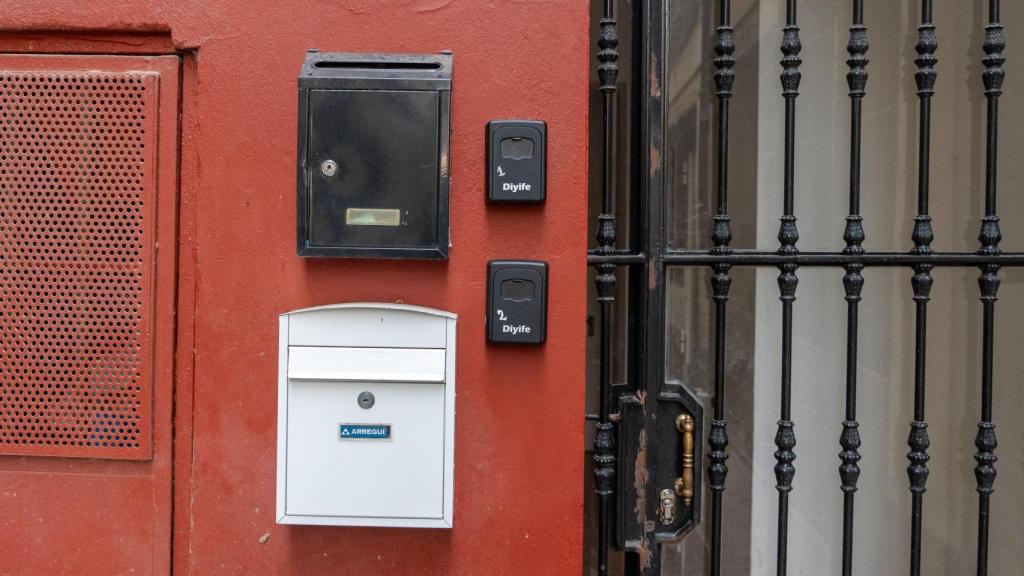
pixel 651 392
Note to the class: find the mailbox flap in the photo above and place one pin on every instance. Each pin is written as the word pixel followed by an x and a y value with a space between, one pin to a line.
pixel 366 364
pixel 354 71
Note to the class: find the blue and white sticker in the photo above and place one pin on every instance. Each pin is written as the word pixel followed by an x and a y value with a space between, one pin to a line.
pixel 364 431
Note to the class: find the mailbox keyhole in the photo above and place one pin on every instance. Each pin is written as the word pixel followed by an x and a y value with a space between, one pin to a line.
pixel 366 400
pixel 329 168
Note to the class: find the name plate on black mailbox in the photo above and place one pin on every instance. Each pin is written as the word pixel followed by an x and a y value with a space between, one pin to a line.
pixel 373 155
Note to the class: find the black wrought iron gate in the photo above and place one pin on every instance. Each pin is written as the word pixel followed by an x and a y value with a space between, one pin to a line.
pixel 649 465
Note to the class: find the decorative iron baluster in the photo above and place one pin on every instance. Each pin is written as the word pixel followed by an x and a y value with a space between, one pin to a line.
pixel 853 280
pixel 720 280
pixel 604 443
pixel 785 438
pixel 988 282
pixel 921 281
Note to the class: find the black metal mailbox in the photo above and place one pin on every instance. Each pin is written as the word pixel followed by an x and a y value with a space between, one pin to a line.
pixel 373 157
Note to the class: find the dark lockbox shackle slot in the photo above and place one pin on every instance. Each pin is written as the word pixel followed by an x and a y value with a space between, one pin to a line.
pixel 373 155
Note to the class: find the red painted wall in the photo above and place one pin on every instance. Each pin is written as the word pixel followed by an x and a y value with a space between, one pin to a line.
pixel 519 433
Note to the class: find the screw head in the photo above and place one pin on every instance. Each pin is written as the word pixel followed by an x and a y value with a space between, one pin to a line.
pixel 329 167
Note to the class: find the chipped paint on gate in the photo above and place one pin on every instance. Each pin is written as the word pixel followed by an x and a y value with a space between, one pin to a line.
pixel 640 478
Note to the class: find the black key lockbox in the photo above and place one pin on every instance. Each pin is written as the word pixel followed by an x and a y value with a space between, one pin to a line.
pixel 516 161
pixel 373 155
pixel 517 301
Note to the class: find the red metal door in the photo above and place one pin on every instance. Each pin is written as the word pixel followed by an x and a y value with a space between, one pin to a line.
pixel 88 176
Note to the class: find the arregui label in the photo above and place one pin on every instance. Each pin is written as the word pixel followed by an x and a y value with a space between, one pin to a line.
pixel 364 431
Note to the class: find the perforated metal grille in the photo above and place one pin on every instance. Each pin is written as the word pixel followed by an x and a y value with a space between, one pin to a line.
pixel 76 180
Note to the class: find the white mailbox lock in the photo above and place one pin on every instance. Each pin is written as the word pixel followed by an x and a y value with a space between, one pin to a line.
pixel 366 416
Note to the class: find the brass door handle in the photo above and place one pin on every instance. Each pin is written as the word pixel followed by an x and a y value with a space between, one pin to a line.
pixel 684 484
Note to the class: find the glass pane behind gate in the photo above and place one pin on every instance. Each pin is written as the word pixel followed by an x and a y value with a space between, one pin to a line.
pixel 881 538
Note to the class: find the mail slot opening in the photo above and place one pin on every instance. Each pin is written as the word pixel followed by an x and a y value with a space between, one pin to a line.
pixel 382 65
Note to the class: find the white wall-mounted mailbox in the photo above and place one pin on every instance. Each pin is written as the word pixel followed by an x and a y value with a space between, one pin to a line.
pixel 366 416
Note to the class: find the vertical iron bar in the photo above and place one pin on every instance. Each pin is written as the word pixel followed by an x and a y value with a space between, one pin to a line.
pixel 785 438
pixel 720 280
pixel 988 282
pixel 918 440
pixel 853 280
pixel 604 444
